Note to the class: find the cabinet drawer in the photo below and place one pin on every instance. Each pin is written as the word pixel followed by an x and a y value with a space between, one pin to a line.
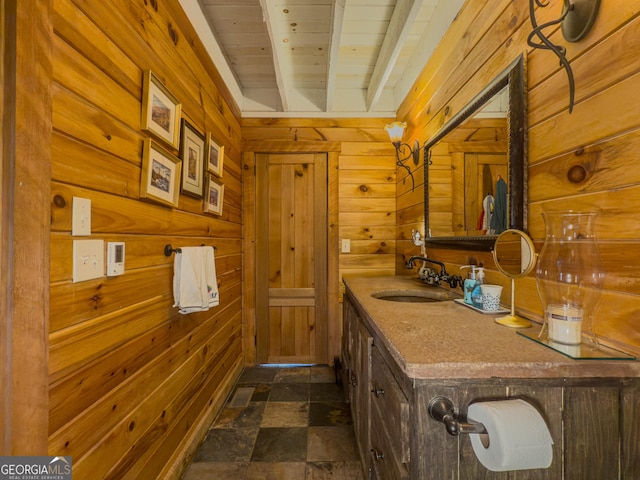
pixel 392 406
pixel 385 462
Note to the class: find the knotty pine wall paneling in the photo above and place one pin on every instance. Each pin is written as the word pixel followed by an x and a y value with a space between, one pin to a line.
pixel 133 384
pixel 362 199
pixel 598 140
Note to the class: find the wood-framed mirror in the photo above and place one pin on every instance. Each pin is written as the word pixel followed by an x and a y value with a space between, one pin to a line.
pixel 468 201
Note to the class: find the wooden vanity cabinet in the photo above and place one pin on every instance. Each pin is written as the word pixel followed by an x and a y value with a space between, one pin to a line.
pixel 348 349
pixel 389 429
pixel 379 408
pixel 357 374
pixel 593 421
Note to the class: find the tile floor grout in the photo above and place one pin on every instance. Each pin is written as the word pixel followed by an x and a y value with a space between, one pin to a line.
pixel 297 426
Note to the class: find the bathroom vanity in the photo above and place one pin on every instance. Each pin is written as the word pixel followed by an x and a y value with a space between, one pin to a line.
pixel 397 356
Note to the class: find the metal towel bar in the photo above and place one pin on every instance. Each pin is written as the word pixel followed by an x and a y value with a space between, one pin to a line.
pixel 169 250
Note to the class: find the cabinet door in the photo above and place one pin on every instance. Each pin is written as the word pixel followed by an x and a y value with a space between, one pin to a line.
pixel 385 463
pixel 392 405
pixel 390 423
pixel 360 405
pixel 348 320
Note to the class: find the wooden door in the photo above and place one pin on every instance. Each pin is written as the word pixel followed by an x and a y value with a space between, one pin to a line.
pixel 481 173
pixel 291 258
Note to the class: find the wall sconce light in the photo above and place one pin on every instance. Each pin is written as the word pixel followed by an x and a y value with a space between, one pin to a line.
pixel 395 131
pixel 578 16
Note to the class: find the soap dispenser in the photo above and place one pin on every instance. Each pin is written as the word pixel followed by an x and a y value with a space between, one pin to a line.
pixel 476 294
pixel 469 283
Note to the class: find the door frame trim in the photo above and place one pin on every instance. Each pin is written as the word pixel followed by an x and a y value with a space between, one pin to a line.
pixel 334 317
pixel 25 224
pixel 320 261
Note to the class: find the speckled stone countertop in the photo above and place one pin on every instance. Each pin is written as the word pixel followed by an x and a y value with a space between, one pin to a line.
pixel 441 340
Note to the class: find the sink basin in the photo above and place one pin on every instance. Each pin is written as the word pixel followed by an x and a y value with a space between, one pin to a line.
pixel 415 296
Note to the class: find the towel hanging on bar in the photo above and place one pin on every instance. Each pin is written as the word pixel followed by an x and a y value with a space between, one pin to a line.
pixel 169 250
pixel 195 286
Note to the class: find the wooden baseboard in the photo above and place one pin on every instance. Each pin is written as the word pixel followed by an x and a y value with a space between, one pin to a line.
pixel 183 455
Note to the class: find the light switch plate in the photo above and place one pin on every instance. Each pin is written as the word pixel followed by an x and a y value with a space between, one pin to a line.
pixel 88 260
pixel 346 245
pixel 81 217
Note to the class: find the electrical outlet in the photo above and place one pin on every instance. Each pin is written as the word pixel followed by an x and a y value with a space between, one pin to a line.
pixel 346 245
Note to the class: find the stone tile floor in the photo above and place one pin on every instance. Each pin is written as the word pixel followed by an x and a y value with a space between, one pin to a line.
pixel 296 426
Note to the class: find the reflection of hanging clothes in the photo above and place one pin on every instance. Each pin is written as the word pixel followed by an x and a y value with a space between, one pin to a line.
pixel 487 180
pixel 487 213
pixel 499 218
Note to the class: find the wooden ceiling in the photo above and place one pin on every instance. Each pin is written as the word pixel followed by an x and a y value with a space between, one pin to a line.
pixel 315 57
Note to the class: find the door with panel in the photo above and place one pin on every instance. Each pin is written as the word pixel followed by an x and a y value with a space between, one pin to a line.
pixel 481 172
pixel 291 258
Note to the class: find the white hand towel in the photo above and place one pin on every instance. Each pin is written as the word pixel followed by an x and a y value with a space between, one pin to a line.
pixel 213 299
pixel 195 286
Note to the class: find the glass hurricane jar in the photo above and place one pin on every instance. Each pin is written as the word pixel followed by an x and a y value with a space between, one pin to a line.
pixel 569 275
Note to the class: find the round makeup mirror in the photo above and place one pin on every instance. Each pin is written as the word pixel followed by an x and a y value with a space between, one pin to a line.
pixel 514 255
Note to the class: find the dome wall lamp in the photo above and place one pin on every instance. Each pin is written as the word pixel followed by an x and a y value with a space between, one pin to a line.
pixel 577 18
pixel 395 131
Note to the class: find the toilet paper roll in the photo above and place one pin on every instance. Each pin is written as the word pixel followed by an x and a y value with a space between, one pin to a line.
pixel 518 436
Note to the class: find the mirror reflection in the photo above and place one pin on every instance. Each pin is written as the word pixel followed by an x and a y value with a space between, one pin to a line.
pixel 475 176
pixel 514 254
pixel 473 164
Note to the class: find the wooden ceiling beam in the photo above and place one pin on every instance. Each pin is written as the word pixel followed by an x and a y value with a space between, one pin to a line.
pixel 400 25
pixel 281 58
pixel 334 51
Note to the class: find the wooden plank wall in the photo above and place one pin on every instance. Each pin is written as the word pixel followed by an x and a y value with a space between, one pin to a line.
pixel 134 384
pixel 362 199
pixel 600 138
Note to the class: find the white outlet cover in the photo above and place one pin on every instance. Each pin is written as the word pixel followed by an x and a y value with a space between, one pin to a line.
pixel 81 217
pixel 88 260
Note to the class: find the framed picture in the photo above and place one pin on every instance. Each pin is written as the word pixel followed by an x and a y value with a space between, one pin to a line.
pixel 192 155
pixel 160 174
pixel 160 111
pixel 215 156
pixel 213 196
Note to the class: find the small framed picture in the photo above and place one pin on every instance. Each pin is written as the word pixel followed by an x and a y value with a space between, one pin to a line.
pixel 192 155
pixel 215 156
pixel 160 111
pixel 160 175
pixel 213 197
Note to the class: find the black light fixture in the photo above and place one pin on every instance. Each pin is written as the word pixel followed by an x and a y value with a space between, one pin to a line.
pixel 577 18
pixel 403 150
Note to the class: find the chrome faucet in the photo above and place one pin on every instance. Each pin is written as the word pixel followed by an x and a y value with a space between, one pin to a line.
pixel 452 280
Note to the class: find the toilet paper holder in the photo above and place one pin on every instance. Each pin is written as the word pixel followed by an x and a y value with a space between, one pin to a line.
pixel 442 410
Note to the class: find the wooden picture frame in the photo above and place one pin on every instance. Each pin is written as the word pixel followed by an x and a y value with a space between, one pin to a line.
pixel 214 156
pixel 214 196
pixel 192 150
pixel 160 174
pixel 160 111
